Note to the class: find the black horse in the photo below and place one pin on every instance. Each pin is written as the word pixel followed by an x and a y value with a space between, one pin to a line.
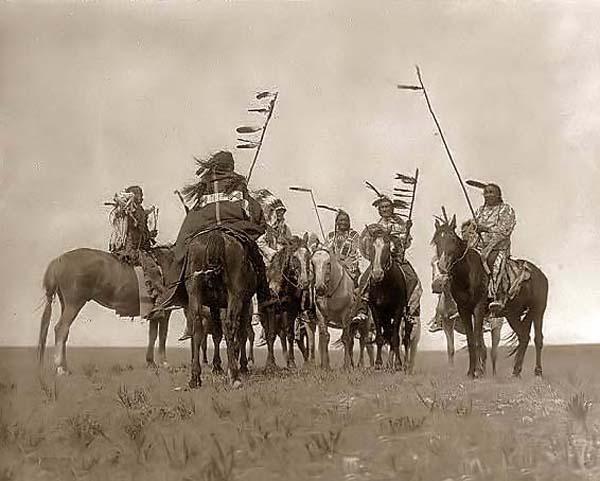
pixel 388 297
pixel 469 287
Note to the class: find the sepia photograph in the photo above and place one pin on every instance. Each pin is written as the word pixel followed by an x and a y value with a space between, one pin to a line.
pixel 265 240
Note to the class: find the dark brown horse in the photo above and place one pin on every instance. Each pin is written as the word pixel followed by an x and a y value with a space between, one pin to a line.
pixel 289 278
pixel 447 315
pixel 216 331
pixel 83 275
pixel 388 299
pixel 469 287
pixel 219 275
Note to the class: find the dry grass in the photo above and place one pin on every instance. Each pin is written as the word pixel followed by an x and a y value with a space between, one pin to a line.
pixel 110 420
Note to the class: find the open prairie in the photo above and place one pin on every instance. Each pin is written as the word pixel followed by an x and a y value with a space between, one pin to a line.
pixel 114 419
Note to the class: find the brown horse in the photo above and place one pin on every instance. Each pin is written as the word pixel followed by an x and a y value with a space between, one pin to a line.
pixel 83 275
pixel 219 275
pixel 289 279
pixel 216 331
pixel 469 287
pixel 447 314
pixel 388 300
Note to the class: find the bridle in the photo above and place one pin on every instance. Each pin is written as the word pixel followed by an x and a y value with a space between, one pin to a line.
pixel 390 261
pixel 448 270
pixel 339 283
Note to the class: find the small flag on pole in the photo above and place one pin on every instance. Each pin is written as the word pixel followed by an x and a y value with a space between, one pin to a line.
pixel 407 179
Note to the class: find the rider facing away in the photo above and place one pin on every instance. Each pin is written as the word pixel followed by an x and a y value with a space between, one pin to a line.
pixel 221 199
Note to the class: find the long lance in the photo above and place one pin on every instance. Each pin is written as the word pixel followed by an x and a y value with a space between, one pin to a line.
pixel 439 128
pixel 262 135
pixel 305 189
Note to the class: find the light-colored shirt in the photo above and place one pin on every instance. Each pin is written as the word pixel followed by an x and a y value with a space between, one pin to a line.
pixel 500 220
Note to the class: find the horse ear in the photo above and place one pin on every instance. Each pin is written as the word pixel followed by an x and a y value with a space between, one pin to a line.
pixel 437 224
pixel 305 238
pixel 453 222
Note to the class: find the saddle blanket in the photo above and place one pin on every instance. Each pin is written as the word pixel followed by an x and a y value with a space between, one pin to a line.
pixel 145 301
pixel 517 271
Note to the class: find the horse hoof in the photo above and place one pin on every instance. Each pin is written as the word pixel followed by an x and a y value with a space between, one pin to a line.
pixel 291 365
pixel 62 371
pixel 165 365
pixel 237 384
pixel 151 365
pixel 195 383
pixel 244 371
pixel 538 372
pixel 217 370
pixel 517 375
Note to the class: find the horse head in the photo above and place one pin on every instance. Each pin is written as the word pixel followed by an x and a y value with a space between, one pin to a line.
pixel 321 260
pixel 448 245
pixel 302 255
pixel 376 247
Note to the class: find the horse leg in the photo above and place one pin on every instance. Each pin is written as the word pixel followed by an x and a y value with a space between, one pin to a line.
pixel 323 340
pixel 522 329
pixel 61 334
pixel 395 354
pixel 301 337
pixel 204 346
pixel 413 343
pixel 250 336
pixel 231 329
pixel 195 312
pixel 537 318
pixel 480 350
pixel 448 325
pixel 270 327
pixel 365 343
pixel 310 329
pixel 217 336
pixel 152 334
pixel 466 316
pixel 243 339
pixel 163 329
pixel 281 332
pixel 289 325
pixel 496 335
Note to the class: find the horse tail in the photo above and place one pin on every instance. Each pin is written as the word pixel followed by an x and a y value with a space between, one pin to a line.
pixel 50 284
pixel 215 250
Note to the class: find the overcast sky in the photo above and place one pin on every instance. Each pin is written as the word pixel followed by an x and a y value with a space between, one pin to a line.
pixel 94 98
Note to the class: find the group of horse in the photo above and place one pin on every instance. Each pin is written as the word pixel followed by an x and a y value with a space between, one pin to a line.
pixel 309 283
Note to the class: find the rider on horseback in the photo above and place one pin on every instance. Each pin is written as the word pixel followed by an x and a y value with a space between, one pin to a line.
pixel 343 241
pixel 130 221
pixel 276 236
pixel 221 199
pixel 399 231
pixel 495 222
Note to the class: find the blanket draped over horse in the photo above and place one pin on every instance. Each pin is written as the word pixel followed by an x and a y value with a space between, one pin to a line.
pixel 220 200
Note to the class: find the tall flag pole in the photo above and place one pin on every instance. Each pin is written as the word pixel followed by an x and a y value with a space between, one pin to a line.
pixel 421 87
pixel 249 143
